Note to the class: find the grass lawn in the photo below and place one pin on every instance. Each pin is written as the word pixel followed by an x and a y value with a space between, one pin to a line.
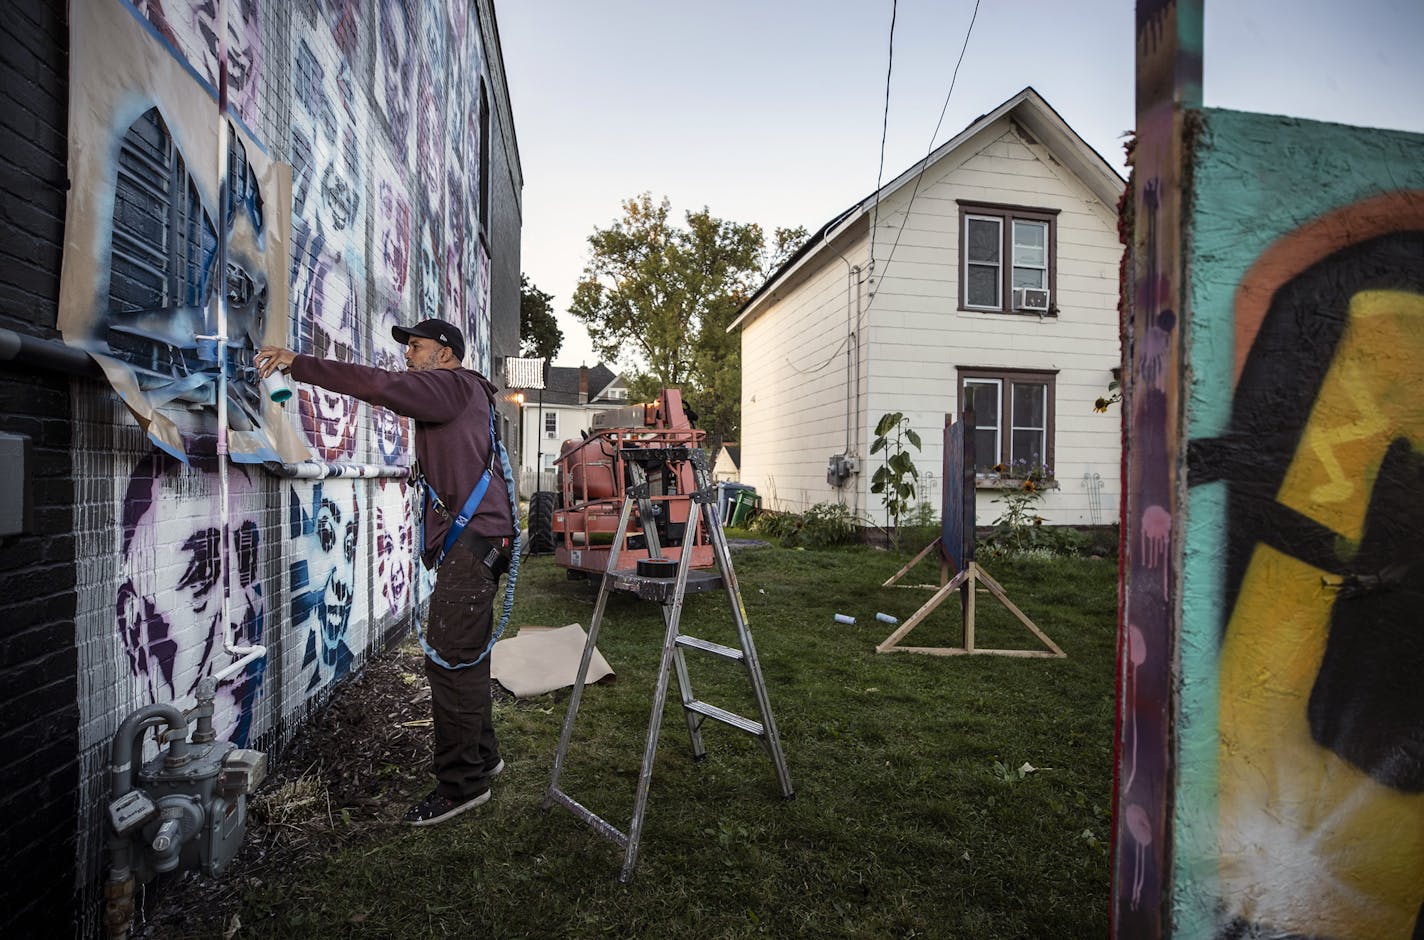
pixel 912 815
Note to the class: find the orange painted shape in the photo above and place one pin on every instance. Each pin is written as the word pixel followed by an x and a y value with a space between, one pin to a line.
pixel 1396 211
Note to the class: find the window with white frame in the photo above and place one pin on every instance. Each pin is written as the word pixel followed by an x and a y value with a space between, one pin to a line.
pixel 1013 418
pixel 551 424
pixel 1007 258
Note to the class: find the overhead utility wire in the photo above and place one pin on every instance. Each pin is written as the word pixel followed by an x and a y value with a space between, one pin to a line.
pixel 884 126
pixel 923 163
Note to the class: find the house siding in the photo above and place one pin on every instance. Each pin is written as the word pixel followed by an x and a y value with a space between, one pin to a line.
pixel 794 407
pixel 914 338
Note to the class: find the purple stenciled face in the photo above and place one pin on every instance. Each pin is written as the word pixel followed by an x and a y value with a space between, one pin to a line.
pixel 392 431
pixel 393 549
pixel 173 572
pixel 393 223
pixel 431 133
pixel 429 273
pixel 395 68
pixel 330 419
pixel 197 31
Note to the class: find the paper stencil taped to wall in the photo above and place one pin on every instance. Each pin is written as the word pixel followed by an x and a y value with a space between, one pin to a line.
pixel 542 659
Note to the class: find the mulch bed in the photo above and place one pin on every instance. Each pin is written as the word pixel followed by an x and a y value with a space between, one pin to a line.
pixel 351 773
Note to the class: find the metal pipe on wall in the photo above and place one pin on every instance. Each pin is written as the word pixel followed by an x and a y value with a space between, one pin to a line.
pixel 218 297
pixel 46 354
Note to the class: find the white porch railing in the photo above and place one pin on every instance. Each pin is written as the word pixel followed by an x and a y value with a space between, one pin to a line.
pixel 532 481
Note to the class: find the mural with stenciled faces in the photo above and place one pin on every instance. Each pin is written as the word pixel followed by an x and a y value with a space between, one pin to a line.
pixel 351 203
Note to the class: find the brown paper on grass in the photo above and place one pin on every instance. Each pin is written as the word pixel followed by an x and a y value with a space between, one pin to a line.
pixel 542 659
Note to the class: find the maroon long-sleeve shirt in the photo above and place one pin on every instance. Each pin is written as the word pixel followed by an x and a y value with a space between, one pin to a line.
pixel 451 409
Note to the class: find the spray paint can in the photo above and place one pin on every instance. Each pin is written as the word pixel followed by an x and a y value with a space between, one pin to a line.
pixel 276 388
pixel 886 618
pixel 844 618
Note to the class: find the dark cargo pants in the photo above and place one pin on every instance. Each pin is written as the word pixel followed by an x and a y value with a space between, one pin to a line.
pixel 459 626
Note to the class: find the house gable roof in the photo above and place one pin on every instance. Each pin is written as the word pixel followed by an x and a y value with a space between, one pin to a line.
pixel 562 386
pixel 1029 109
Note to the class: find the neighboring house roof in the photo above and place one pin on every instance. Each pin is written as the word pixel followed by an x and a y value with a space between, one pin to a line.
pixel 1029 109
pixel 734 454
pixel 562 385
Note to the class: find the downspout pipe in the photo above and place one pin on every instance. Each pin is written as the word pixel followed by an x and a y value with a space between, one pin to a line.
pixel 853 318
pixel 242 655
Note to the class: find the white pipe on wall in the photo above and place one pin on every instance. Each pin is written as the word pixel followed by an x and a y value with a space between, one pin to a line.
pixel 244 654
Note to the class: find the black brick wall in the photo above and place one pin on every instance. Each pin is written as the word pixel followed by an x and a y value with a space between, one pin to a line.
pixel 39 709
pixel 505 225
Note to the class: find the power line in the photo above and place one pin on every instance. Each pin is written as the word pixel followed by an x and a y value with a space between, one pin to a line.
pixel 884 127
pixel 924 164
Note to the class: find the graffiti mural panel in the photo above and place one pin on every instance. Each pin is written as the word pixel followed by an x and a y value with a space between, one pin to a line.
pixel 337 196
pixel 1301 807
pixel 328 231
pixel 146 225
pixel 173 573
pixel 191 27
pixel 395 547
pixel 325 579
pixel 395 73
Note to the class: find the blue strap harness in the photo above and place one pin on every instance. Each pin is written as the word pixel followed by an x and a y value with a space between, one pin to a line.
pixel 457 526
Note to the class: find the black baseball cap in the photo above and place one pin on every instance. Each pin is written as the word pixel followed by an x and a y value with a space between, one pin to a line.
pixel 446 334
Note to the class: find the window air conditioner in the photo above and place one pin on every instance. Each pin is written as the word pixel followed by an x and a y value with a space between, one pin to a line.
pixel 1031 298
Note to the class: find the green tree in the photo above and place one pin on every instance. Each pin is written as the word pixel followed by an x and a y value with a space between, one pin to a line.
pixel 539 333
pixel 657 298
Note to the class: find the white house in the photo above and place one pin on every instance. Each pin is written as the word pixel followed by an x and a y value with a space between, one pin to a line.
pixel 726 468
pixel 985 275
pixel 561 411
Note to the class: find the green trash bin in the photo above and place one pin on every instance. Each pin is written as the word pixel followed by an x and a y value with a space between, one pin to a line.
pixel 742 506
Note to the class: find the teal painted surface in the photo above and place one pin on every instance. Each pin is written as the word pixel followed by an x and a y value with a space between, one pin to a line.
pixel 1194 888
pixel 1256 178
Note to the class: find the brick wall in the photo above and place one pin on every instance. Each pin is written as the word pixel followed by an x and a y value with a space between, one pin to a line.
pixel 103 606
pixel 39 709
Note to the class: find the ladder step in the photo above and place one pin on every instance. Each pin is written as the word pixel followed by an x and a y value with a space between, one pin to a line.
pixel 707 646
pixel 726 717
pixel 599 824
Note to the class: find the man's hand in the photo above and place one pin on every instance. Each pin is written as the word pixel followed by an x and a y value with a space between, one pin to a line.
pixel 271 359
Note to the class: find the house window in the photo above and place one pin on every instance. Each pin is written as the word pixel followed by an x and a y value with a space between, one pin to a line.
pixel 1006 258
pixel 1013 417
pixel 551 424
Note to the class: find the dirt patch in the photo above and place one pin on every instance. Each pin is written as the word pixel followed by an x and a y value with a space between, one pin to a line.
pixel 349 775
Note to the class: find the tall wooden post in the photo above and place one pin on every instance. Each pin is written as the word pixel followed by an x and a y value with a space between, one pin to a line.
pixel 1169 45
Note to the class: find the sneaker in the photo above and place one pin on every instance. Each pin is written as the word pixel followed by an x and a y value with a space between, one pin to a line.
pixel 436 808
pixel 496 770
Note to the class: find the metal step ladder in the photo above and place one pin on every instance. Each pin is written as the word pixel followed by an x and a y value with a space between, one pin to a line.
pixel 670 592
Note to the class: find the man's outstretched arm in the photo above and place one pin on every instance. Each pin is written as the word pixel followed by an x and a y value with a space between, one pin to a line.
pixel 424 396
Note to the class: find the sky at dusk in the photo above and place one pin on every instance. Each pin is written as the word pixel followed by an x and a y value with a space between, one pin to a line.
pixel 770 111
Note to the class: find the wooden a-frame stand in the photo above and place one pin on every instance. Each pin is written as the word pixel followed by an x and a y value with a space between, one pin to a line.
pixel 966 582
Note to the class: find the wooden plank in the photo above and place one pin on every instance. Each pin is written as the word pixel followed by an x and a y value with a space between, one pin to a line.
pixel 960 651
pixel 912 563
pixel 973 570
pixel 925 610
pixel 997 590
